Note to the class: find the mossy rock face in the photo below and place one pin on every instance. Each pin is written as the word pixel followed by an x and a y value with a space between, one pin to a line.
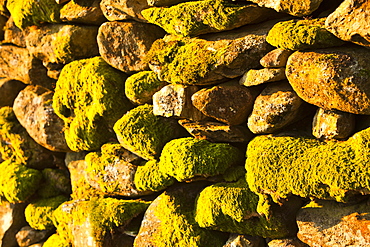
pixel 186 158
pixel 89 221
pixel 145 134
pixel 33 12
pixel 302 35
pixel 39 214
pixel 333 170
pixel 56 240
pixel 55 182
pixel 206 16
pixel 89 97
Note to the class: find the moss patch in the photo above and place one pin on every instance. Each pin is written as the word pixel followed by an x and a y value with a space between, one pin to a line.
pixel 56 241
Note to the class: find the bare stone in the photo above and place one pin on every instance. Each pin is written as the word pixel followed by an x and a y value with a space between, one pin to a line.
pixel 33 109
pixel 28 236
pixel 236 240
pixel 117 10
pixel 9 90
pixel 84 12
pixel 13 34
pixel 287 242
pixel 11 220
pixel 256 77
pixel 276 58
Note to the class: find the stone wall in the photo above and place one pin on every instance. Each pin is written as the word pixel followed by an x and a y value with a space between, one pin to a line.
pixel 184 123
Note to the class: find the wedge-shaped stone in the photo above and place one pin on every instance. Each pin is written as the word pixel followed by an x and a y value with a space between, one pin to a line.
pixel 117 10
pixel 256 77
pixel 276 58
pixel 85 12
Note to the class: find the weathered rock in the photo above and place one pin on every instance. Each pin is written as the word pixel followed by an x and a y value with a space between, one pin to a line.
pixel 117 10
pixel 174 100
pixel 256 77
pixel 332 124
pixel 28 236
pixel 276 58
pixel 3 20
pixel 84 12
pixel 276 107
pixel 296 8
pixel 55 182
pixel 334 78
pixel 335 170
pixel 140 87
pixel 89 97
pixel 56 240
pixel 14 35
pixel 159 3
pixel 124 45
pixel 210 60
pixel 54 69
pixel 236 240
pixel 94 222
pixel 34 111
pixel 227 103
pixel 349 22
pixel 11 220
pixel 18 64
pixel 287 242
pixel 169 221
pixel 205 16
pixel 327 223
pixel 9 90
pixel 62 43
pixel 145 134
pixel 217 132
pixel 302 35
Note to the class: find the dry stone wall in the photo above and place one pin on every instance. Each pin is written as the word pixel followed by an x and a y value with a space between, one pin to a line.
pixel 184 123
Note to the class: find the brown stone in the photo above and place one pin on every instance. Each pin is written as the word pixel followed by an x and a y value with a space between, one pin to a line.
pixel 3 21
pixel 296 8
pixel 286 242
pixel 276 58
pixel 11 220
pixel 117 10
pixel 9 90
pixel 13 34
pixel 33 109
pixel 256 77
pixel 334 78
pixel 236 240
pixel 28 236
pixel 350 22
pixel 124 45
pixel 84 12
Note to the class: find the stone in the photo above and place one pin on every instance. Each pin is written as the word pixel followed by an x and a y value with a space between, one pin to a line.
pixel 328 223
pixel 333 170
pixel 34 111
pixel 61 1
pixel 14 35
pixel 332 79
pixel 276 58
pixel 3 10
pixel 54 69
pixel 85 12
pixel 3 21
pixel 169 221
pixel 295 8
pixel 237 240
pixel 349 21
pixel 55 182
pixel 217 132
pixel 302 35
pixel 174 100
pixel 276 107
pixel 89 98
pixel 95 222
pixel 211 59
pixel 287 242
pixel 124 45
pixel 140 87
pixel 18 64
pixel 145 134
pixel 118 10
pixel 11 220
pixel 227 103
pixel 61 43
pixel 205 16
pixel 9 90
pixel 256 77
pixel 332 124
pixel 159 3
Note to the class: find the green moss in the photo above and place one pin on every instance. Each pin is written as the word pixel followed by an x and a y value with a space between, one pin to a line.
pixel 39 214
pixel 140 87
pixel 33 12
pixel 306 167
pixel 302 35
pixel 233 174
pixel 89 97
pixel 56 241
pixel 186 158
pixel 145 134
pixel 103 214
pixel 149 177
pixel 55 182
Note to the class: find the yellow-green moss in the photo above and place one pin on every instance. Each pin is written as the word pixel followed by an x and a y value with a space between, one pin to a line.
pixel 33 12
pixel 186 158
pixel 56 241
pixel 140 87
pixel 89 97
pixel 39 214
pixel 302 35
pixel 145 134
pixel 306 167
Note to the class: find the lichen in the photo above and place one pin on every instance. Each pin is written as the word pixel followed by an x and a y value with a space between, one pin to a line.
pixel 89 97
pixel 39 214
pixel 56 241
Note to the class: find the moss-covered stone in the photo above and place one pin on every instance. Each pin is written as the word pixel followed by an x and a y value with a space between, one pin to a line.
pixel 39 214
pixel 302 35
pixel 145 134
pixel 55 182
pixel 56 240
pixel 33 12
pixel 140 87
pixel 186 158
pixel 334 170
pixel 89 97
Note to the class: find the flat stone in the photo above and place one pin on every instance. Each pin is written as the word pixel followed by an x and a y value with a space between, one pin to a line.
pixel 11 220
pixel 85 12
pixel 287 242
pixel 276 58
pixel 236 240
pixel 256 77
pixel 9 90
pixel 118 10
pixel 13 34
pixel 301 8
